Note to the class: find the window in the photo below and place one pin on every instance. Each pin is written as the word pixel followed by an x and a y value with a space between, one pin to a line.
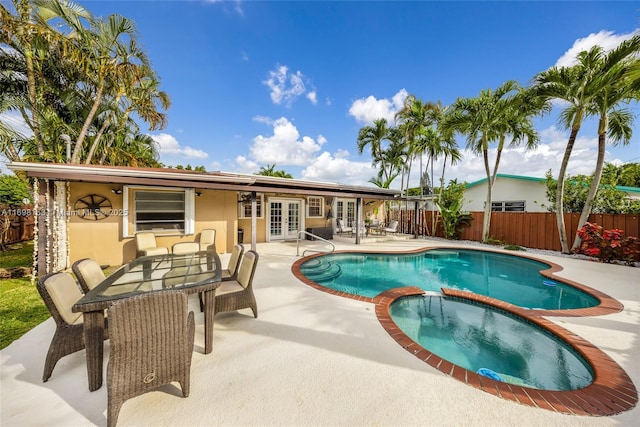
pixel 244 210
pixel 508 206
pixel 159 210
pixel 315 207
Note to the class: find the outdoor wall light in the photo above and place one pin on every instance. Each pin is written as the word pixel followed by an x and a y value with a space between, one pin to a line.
pixel 198 193
pixel 116 190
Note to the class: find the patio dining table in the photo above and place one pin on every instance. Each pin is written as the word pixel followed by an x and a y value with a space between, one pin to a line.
pixel 198 272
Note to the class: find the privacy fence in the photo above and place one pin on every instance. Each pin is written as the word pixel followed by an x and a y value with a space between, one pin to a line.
pixel 16 224
pixel 537 230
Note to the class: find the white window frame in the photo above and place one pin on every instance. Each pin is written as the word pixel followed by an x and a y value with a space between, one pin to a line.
pixel 242 204
pixel 320 200
pixel 189 209
pixel 504 207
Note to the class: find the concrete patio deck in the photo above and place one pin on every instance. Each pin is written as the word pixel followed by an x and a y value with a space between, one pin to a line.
pixel 313 359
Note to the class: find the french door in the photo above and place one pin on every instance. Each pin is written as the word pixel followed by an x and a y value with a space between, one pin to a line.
pixel 285 219
pixel 346 211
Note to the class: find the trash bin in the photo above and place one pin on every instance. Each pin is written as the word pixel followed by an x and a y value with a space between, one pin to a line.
pixel 240 235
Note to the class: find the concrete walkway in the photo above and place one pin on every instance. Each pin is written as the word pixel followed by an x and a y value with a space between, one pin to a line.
pixel 311 359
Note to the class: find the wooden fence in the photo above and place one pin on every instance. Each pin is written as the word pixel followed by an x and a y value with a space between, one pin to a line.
pixel 536 230
pixel 16 224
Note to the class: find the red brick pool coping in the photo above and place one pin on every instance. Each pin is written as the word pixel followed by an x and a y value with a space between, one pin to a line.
pixel 610 393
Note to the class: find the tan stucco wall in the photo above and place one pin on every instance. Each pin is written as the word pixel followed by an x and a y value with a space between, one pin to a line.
pixel 102 240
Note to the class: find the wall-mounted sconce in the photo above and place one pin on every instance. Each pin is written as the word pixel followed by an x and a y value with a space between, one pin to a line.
pixel 116 190
pixel 198 193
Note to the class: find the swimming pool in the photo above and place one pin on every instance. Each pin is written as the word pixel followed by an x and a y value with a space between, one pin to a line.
pixel 509 278
pixel 490 342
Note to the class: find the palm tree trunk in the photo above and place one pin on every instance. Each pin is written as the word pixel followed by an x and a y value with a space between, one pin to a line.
pixel 562 231
pixel 486 224
pixel 75 158
pixel 96 140
pixel 33 102
pixel 597 176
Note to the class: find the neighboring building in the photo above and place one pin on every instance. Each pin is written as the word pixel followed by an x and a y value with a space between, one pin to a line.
pixel 515 193
pixel 94 211
pixel 511 193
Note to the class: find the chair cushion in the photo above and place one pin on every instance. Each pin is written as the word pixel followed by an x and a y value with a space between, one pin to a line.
pixel 155 251
pixel 91 272
pixel 228 287
pixel 64 292
pixel 185 248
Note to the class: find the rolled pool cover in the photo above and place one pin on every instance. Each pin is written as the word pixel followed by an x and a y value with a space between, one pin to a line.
pixel 486 372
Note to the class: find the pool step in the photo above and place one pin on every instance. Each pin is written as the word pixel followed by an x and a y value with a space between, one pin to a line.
pixel 323 271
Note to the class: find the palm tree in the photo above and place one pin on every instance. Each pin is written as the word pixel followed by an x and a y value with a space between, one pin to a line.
pixel 613 83
pixel 29 34
pixel 270 170
pixel 575 86
pixel 106 58
pixel 492 117
pixel 138 94
pixel 374 136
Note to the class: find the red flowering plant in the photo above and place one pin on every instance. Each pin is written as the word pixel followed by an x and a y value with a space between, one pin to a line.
pixel 608 245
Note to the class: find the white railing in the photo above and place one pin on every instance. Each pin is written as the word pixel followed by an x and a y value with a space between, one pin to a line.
pixel 303 232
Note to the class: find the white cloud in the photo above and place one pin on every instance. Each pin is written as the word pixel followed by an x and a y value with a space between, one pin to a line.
pixel 338 168
pixel 606 39
pixel 285 147
pixel 14 120
pixel 534 163
pixel 313 97
pixel 286 87
pixel 246 166
pixel 366 110
pixel 168 145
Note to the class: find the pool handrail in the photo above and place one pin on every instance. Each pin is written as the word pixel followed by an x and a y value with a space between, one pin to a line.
pixel 333 247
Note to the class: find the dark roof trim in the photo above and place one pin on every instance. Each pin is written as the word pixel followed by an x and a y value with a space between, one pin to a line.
pixel 200 180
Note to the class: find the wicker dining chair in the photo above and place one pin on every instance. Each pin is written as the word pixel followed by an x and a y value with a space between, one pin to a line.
pixel 59 291
pixel 237 294
pixel 207 239
pixel 88 272
pixel 231 272
pixel 146 244
pixel 151 345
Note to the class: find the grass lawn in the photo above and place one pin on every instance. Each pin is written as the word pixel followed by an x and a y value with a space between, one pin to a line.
pixel 21 307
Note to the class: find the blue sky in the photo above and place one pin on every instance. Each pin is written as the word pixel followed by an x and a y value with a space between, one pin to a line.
pixel 290 83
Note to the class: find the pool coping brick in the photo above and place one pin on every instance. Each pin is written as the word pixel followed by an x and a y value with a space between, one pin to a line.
pixel 610 393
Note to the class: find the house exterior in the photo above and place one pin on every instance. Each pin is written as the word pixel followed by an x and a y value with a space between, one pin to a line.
pixel 511 193
pixel 94 211
pixel 515 193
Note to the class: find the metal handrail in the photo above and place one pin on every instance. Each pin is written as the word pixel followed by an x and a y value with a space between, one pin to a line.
pixel 333 247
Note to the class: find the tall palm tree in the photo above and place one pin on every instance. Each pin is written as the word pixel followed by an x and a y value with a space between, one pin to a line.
pixel 29 34
pixel 575 86
pixel 492 117
pixel 614 89
pixel 374 137
pixel 106 57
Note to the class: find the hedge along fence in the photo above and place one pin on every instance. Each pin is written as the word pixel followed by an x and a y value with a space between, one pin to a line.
pixel 537 230
pixel 16 224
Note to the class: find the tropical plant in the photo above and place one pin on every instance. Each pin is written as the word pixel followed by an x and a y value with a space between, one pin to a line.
pixel 493 117
pixel 612 89
pixel 84 76
pixel 374 137
pixel 13 190
pixel 450 201
pixel 269 170
pixel 607 200
pixel 575 86
pixel 608 245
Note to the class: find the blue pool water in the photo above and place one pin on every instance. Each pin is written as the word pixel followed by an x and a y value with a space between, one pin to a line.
pixel 508 278
pixel 480 338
